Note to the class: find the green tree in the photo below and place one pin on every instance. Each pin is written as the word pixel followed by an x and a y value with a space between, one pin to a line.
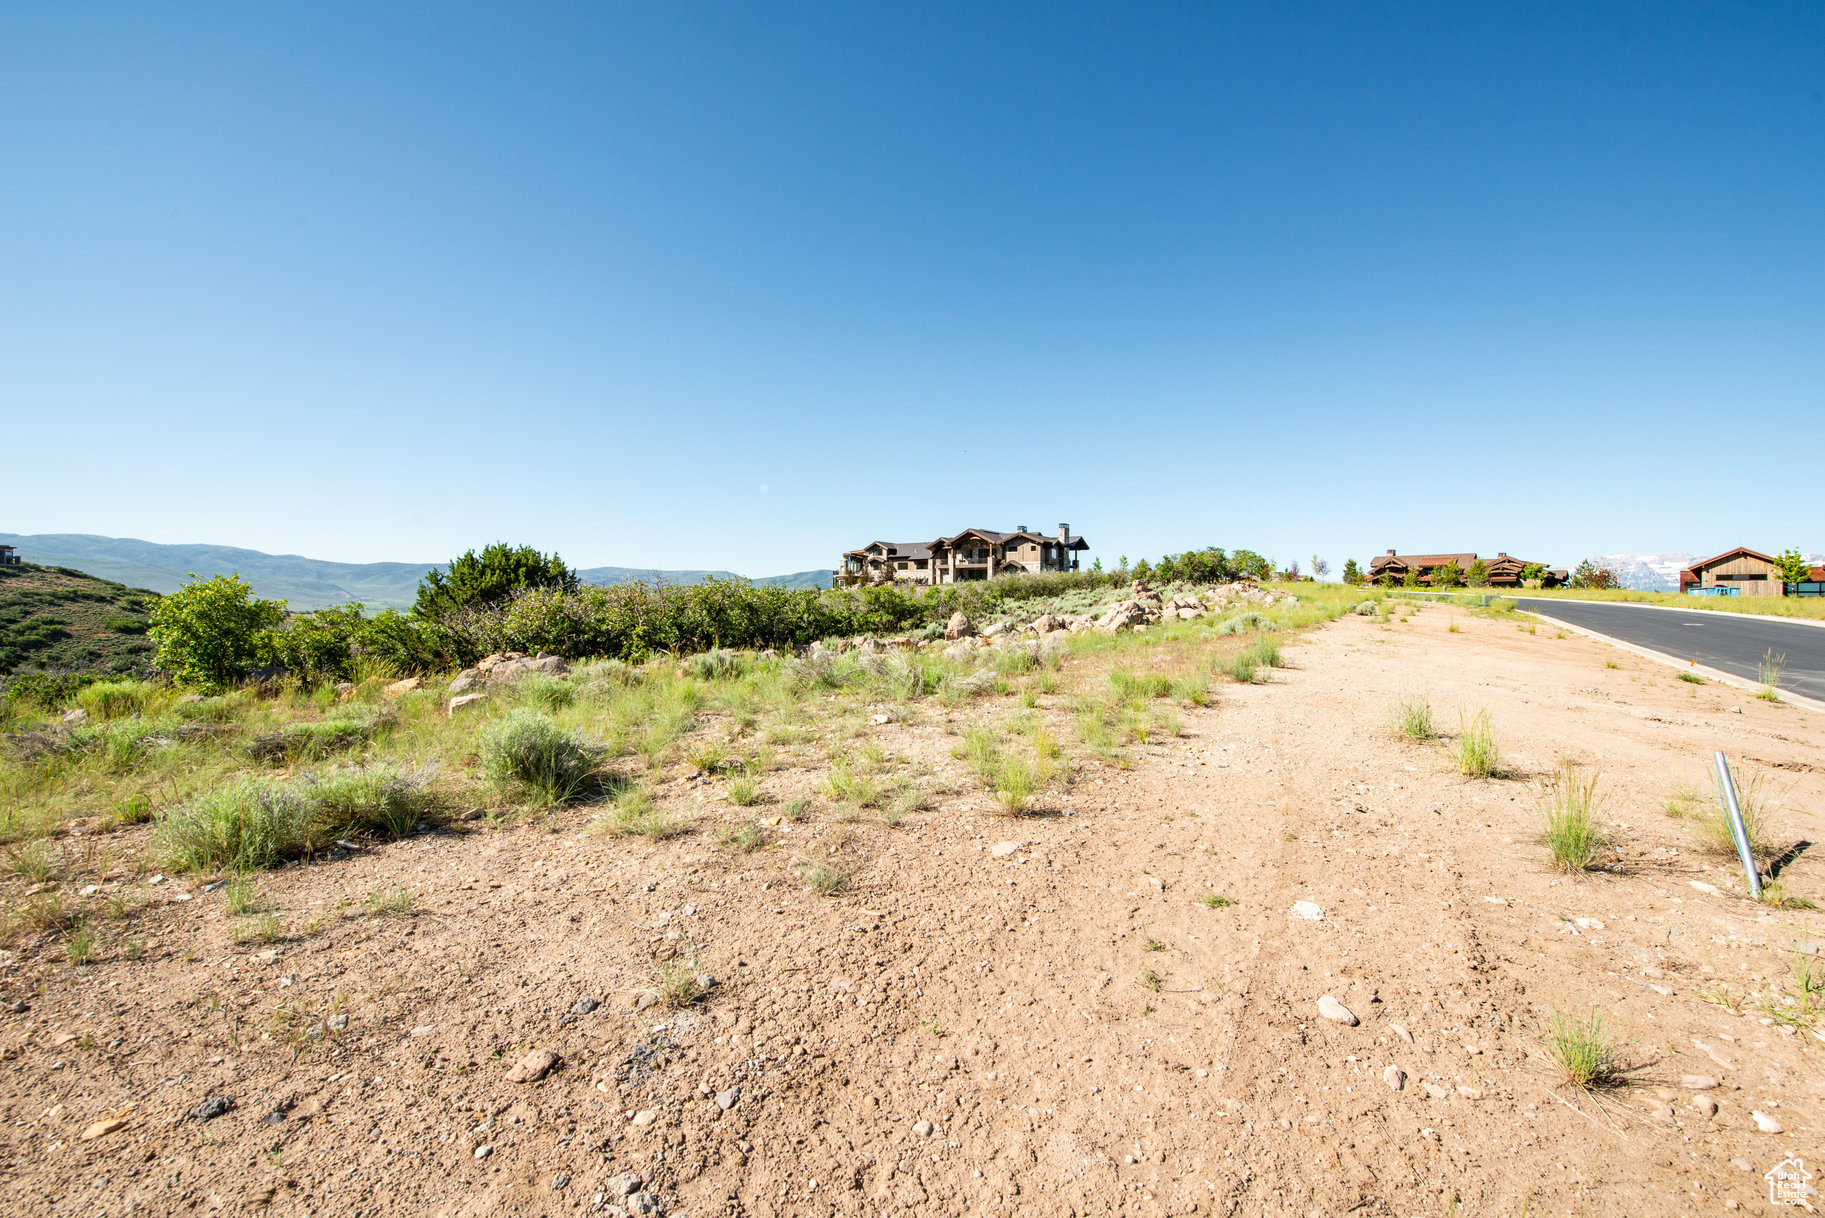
pixel 212 632
pixel 1250 565
pixel 1478 575
pixel 1411 578
pixel 1531 572
pixel 488 578
pixel 1589 575
pixel 1793 566
pixel 1352 574
pixel 1450 575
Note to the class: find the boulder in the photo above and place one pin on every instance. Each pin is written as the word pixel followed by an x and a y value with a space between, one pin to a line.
pixel 996 630
pixel 464 681
pixel 403 687
pixel 1366 609
pixel 1123 616
pixel 868 647
pixel 959 627
pixel 462 700
pixel 1048 622
pixel 515 665
pixel 344 689
pixel 960 650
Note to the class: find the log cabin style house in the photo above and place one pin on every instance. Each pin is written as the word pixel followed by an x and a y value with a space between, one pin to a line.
pixel 1504 571
pixel 971 554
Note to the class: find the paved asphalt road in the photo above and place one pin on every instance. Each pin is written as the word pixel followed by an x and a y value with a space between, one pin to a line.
pixel 1731 642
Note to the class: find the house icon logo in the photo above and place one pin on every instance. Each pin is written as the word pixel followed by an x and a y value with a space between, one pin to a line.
pixel 1787 1183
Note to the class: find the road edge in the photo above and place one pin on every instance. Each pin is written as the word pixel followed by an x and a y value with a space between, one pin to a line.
pixel 1661 657
pixel 1816 623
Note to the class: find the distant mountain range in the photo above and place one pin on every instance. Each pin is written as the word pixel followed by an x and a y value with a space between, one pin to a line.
pixel 305 583
pixel 1647 572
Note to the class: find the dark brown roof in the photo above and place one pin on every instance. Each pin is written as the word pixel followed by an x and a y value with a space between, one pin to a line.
pixel 1421 560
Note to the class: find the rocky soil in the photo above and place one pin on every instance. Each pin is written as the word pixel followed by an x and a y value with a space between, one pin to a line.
pixel 1054 1014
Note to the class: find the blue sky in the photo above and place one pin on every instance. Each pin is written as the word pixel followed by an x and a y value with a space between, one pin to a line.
pixel 687 286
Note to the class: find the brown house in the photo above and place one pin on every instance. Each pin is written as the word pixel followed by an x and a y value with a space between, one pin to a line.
pixel 1504 571
pixel 1738 572
pixel 971 554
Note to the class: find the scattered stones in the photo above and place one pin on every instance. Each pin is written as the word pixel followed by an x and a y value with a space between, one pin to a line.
pixel 1336 1012
pixel 726 1100
pixel 1435 1091
pixel 482 1152
pixel 76 716
pixel 1001 850
pixel 704 981
pixel 102 1128
pixel 1400 1030
pixel 1308 911
pixel 344 690
pixel 1395 1077
pixel 643 999
pixel 645 1117
pixel 644 1203
pixel 405 686
pixel 533 1067
pixel 877 720
pixel 464 681
pixel 210 1109
pixel 1710 890
pixel 1704 1105
pixel 560 1181
pixel 339 1022
pixel 1766 1123
pixel 1698 1082
pixel 19 1006
pixel 623 1185
pixel 923 1128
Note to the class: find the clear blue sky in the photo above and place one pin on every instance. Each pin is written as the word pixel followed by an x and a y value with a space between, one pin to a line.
pixel 685 285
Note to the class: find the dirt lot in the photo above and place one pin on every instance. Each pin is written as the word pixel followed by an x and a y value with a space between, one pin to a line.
pixel 1034 1015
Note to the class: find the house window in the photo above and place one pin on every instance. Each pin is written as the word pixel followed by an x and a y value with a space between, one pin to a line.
pixel 1740 578
pixel 920 564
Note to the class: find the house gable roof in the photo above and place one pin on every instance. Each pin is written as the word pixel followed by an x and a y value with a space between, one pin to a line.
pixel 1727 555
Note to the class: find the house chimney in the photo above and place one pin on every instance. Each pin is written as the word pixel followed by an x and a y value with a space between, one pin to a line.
pixel 1501 553
pixel 1021 529
pixel 1064 532
pixel 1390 553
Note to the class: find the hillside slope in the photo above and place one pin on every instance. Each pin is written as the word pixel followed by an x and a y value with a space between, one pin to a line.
pixel 57 619
pixel 304 583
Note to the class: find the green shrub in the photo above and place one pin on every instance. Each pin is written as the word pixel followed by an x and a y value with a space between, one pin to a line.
pixel 212 632
pixel 247 824
pixel 545 692
pixel 1130 687
pixel 1573 832
pixel 1584 1051
pixel 1413 718
pixel 377 800
pixel 116 699
pixel 1476 749
pixel 1244 622
pixel 717 665
pixel 527 748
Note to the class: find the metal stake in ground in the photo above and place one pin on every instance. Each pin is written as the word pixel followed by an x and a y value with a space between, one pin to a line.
pixel 1726 791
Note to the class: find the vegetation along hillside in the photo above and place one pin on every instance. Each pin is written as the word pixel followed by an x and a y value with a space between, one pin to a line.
pixel 53 619
pixel 303 583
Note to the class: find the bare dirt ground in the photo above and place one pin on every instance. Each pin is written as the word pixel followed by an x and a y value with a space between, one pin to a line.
pixel 1059 1026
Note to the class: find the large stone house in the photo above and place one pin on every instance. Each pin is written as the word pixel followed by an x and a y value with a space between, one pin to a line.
pixel 1504 572
pixel 971 554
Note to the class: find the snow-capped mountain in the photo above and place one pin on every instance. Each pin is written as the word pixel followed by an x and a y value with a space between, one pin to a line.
pixel 1647 572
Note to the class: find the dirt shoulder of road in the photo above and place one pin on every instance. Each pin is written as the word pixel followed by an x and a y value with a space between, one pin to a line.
pixel 1110 1006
